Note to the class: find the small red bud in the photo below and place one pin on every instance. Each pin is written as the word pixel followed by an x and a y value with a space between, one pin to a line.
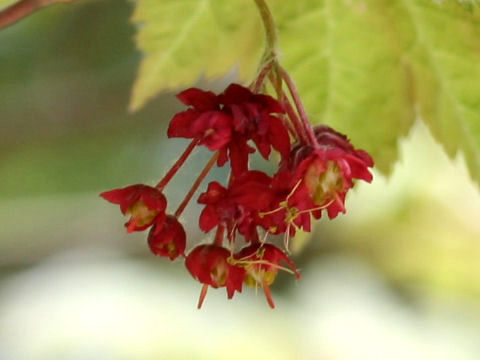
pixel 168 238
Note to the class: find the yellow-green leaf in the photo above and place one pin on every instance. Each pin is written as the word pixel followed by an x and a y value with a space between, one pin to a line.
pixel 184 39
pixel 368 68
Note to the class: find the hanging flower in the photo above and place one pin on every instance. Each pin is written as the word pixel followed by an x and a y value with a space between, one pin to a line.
pixel 209 264
pixel 168 238
pixel 262 262
pixel 144 204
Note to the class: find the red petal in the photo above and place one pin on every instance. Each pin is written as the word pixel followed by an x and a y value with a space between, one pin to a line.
pixel 252 190
pixel 153 198
pixel 365 157
pixel 222 157
pixel 268 104
pixel 125 197
pixel 240 119
pixel 201 100
pixel 268 294
pixel 235 94
pixel 181 124
pixel 215 192
pixel 278 136
pixel 208 218
pixel 236 276
pixel 238 153
pixel 215 127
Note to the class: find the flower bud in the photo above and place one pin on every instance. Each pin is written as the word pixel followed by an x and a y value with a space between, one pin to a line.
pixel 168 239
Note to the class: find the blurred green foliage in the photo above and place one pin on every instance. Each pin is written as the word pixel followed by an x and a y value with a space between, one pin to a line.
pixel 63 99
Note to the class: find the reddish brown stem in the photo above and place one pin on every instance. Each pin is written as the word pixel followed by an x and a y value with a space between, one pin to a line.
pixel 299 105
pixel 22 9
pixel 178 164
pixel 294 119
pixel 277 85
pixel 196 184
pixel 219 235
pixel 256 86
pixel 290 128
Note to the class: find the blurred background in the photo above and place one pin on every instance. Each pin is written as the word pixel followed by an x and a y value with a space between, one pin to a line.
pixel 397 277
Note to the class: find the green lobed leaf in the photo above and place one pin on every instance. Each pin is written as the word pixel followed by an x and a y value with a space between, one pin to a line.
pixel 185 39
pixel 368 69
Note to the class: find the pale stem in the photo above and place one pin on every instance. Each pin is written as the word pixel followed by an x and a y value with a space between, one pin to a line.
pixel 270 30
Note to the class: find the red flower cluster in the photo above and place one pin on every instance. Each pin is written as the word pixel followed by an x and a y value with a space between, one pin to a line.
pixel 316 169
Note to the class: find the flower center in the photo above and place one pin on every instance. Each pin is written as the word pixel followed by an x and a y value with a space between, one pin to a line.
pixel 258 277
pixel 323 186
pixel 141 214
pixel 219 274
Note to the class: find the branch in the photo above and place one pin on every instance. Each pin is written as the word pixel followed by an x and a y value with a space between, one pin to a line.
pixel 22 9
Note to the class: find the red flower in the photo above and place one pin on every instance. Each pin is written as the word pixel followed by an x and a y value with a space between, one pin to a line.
pixel 214 128
pixel 210 265
pixel 204 120
pixel 144 203
pixel 200 100
pixel 262 264
pixel 238 206
pixel 327 171
pixel 290 209
pixel 216 209
pixel 167 239
pixel 228 121
pixel 252 118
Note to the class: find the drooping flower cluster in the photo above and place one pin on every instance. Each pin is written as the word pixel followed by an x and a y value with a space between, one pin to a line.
pixel 317 166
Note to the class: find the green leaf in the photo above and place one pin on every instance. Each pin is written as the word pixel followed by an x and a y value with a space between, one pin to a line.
pixel 369 69
pixel 469 4
pixel 185 39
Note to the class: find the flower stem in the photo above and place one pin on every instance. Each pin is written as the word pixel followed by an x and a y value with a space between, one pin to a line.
pixel 294 119
pixel 219 235
pixel 256 86
pixel 277 85
pixel 178 164
pixel 270 30
pixel 196 184
pixel 299 105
